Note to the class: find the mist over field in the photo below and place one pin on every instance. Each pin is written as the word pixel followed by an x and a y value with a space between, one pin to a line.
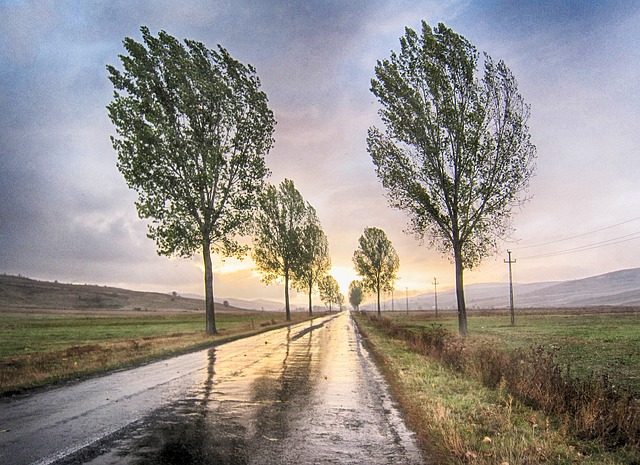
pixel 620 288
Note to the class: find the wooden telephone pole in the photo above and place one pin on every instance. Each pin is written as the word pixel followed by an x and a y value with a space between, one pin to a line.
pixel 509 261
pixel 406 290
pixel 435 294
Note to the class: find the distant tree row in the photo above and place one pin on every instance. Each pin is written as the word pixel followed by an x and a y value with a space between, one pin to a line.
pixel 289 242
pixel 377 262
pixel 330 292
pixel 193 129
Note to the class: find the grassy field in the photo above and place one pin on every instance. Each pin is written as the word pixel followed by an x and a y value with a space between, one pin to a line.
pixel 460 419
pixel 43 347
pixel 585 342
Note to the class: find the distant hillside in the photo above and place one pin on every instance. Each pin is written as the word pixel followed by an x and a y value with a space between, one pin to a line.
pixel 21 292
pixel 618 288
pixel 476 295
pixel 257 304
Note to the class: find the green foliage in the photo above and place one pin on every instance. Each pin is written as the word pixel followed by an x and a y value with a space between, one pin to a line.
pixel 330 292
pixel 456 154
pixel 376 261
pixel 315 260
pixel 279 230
pixel 356 294
pixel 192 129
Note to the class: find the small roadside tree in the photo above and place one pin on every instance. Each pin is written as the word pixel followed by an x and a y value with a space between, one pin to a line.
pixel 193 128
pixel 330 292
pixel 377 262
pixel 315 260
pixel 456 154
pixel 356 294
pixel 279 225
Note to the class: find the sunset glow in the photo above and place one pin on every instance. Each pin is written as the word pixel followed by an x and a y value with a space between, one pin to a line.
pixel 71 217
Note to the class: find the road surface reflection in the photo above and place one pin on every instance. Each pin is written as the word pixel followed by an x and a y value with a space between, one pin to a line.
pixel 305 394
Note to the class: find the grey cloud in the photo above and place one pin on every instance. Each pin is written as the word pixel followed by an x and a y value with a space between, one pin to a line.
pixel 22 28
pixel 65 209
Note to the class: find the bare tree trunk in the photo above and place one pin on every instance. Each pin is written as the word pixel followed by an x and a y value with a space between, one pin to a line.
pixel 310 292
pixel 462 310
pixel 378 289
pixel 208 290
pixel 287 309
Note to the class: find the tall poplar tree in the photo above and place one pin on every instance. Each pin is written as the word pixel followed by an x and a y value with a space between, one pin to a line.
pixel 330 292
pixel 356 294
pixel 456 154
pixel 193 128
pixel 279 225
pixel 377 262
pixel 315 260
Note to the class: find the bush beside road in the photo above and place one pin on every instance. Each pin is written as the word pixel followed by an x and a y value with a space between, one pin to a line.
pixel 460 418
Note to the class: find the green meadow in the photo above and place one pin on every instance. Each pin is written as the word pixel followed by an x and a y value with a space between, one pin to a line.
pixel 40 348
pixel 586 342
pixel 461 418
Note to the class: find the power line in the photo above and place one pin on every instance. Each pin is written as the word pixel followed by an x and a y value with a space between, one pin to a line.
pixel 595 245
pixel 576 236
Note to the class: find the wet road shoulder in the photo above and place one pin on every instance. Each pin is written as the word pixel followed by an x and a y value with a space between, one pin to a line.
pixel 309 393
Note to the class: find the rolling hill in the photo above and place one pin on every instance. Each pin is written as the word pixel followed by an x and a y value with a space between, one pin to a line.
pixel 618 288
pixel 25 293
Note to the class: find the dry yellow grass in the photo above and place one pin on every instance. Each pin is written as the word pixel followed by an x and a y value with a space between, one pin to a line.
pixel 24 371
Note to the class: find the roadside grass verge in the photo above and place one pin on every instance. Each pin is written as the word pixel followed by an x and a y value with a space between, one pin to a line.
pixel 459 418
pixel 589 343
pixel 39 349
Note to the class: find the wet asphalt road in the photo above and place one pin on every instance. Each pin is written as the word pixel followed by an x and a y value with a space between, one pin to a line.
pixel 305 394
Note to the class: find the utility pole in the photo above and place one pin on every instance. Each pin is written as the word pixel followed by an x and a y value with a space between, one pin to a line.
pixel 509 261
pixel 435 294
pixel 406 290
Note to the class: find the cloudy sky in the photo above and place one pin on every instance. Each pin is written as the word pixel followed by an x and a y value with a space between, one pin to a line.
pixel 66 213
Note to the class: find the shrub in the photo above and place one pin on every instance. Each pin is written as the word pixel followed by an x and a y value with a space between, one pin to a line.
pixel 591 409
